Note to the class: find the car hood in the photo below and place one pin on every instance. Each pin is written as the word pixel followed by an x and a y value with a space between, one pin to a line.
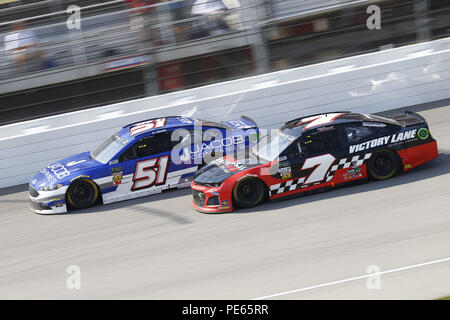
pixel 221 169
pixel 63 171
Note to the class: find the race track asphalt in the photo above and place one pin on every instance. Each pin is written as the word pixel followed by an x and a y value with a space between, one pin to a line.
pixel 158 247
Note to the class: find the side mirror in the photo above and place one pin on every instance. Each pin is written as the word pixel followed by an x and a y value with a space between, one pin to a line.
pixel 113 162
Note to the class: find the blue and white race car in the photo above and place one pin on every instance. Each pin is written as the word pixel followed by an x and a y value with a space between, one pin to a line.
pixel 141 159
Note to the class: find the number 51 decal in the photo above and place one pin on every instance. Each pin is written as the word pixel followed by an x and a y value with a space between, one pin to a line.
pixel 150 172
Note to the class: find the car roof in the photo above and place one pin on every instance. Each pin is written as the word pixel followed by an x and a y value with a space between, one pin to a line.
pixel 336 118
pixel 169 123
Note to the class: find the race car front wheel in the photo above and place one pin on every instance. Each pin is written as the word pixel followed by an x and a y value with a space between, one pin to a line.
pixel 383 165
pixel 82 194
pixel 249 192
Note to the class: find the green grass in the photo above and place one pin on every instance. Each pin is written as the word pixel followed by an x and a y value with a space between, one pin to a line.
pixel 445 298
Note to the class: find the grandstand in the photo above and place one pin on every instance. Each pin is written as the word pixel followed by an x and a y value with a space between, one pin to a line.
pixel 127 49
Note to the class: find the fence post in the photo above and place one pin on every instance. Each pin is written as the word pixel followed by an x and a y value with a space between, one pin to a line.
pixel 421 20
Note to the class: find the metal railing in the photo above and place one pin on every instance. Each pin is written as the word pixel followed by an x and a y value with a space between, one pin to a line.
pixel 117 33
pixel 181 44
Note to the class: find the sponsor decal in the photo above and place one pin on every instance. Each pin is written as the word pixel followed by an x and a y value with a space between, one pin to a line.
pixel 49 177
pixel 391 139
pixel 229 142
pixel 201 195
pixel 423 133
pixel 224 204
pixel 59 170
pixel 353 173
pixel 407 166
pixel 354 170
pixel 402 136
pixel 374 124
pixel 73 163
pixel 159 131
pixel 117 178
pixel 285 172
pixel 56 202
pixel 117 175
pixel 116 170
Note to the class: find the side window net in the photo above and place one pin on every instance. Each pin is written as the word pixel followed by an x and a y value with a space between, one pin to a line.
pixel 356 135
pixel 320 141
pixel 148 146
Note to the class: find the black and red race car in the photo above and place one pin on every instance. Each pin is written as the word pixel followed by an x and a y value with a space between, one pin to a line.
pixel 314 152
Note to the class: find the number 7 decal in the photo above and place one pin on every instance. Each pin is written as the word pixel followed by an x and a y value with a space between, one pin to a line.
pixel 150 172
pixel 319 119
pixel 322 164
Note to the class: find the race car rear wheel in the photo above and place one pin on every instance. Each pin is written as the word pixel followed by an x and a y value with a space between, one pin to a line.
pixel 82 194
pixel 249 192
pixel 383 165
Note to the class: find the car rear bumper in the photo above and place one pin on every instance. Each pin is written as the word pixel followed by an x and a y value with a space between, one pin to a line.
pixel 415 156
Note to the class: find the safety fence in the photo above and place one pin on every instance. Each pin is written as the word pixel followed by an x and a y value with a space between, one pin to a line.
pixel 123 51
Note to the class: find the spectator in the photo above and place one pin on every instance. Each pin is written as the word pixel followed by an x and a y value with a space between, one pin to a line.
pixel 211 14
pixel 180 11
pixel 23 47
pixel 142 19
pixel 233 18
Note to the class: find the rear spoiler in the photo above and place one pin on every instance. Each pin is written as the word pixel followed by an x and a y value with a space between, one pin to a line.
pixel 251 120
pixel 409 118
pixel 416 115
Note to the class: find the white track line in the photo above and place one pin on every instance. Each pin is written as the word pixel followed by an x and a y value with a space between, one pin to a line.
pixel 354 278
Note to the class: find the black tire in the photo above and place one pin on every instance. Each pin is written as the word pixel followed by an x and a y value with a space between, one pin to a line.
pixel 383 165
pixel 249 192
pixel 82 194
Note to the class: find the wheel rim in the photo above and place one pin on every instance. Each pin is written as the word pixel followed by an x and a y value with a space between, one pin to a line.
pixel 383 163
pixel 82 194
pixel 384 166
pixel 248 191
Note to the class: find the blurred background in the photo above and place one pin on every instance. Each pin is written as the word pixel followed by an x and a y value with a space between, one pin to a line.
pixel 52 63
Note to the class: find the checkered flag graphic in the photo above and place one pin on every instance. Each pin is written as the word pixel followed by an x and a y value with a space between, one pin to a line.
pixel 345 163
pixel 295 184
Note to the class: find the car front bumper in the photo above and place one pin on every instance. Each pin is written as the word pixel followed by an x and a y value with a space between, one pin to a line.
pixel 48 202
pixel 210 200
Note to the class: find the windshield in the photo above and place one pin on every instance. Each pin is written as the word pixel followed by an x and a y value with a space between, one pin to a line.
pixel 108 149
pixel 270 147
